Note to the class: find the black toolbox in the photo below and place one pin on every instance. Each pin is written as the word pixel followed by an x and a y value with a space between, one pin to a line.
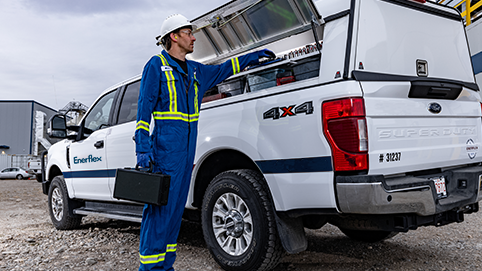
pixel 142 186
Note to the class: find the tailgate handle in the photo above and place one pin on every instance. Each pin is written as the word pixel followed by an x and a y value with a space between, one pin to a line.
pixel 438 91
pixel 434 89
pixel 99 144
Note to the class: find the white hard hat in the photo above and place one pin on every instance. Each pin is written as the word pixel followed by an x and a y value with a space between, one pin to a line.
pixel 172 23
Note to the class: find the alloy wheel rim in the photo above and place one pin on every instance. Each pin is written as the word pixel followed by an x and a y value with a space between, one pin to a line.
pixel 232 224
pixel 57 204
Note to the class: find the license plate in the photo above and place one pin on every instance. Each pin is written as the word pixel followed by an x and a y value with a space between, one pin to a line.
pixel 440 186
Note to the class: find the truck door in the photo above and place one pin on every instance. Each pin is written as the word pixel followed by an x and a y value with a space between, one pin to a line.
pixel 121 151
pixel 89 173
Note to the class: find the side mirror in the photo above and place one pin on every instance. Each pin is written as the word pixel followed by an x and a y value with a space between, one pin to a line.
pixel 57 127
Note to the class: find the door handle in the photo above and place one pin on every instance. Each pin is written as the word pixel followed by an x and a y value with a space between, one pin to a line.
pixel 99 144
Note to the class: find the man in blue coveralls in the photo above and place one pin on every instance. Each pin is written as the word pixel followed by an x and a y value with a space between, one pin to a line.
pixel 171 91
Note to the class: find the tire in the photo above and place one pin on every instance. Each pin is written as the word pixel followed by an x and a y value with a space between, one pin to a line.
pixel 19 177
pixel 237 209
pixel 368 236
pixel 59 204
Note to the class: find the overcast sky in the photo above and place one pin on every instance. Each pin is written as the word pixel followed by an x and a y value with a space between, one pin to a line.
pixel 57 51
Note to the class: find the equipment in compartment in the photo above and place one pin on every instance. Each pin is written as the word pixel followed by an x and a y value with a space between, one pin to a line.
pixel 285 78
pixel 307 49
pixel 232 87
pixel 264 79
pixel 306 68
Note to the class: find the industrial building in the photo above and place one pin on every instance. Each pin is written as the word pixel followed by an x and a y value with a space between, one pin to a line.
pixel 22 127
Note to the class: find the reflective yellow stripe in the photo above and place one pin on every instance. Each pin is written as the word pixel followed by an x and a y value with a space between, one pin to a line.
pixel 148 259
pixel 142 125
pixel 175 116
pixel 171 248
pixel 171 85
pixel 235 64
pixel 196 105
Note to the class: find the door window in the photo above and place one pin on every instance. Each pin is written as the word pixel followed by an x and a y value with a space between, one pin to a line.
pixel 98 117
pixel 128 108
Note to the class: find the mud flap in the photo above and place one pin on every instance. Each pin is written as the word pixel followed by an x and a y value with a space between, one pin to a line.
pixel 291 233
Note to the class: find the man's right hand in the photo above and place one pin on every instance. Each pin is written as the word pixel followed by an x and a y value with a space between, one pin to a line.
pixel 143 159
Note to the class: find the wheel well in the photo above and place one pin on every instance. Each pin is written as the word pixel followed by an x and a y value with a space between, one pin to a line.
pixel 54 171
pixel 216 163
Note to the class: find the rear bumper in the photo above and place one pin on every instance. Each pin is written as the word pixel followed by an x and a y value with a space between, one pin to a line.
pixel 376 195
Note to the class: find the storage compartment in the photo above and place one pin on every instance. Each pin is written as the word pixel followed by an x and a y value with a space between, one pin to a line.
pixel 232 87
pixel 264 79
pixel 306 68
pixel 211 91
pixel 212 95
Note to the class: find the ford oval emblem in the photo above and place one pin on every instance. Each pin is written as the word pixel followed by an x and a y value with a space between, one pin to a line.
pixel 435 108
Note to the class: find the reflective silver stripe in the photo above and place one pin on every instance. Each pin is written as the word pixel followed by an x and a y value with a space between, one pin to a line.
pixel 148 259
pixel 171 248
pixel 175 116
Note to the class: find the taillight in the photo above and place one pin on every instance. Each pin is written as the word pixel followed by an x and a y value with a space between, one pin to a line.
pixel 344 126
pixel 481 109
pixel 420 1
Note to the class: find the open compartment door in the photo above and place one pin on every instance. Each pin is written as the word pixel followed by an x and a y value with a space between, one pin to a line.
pixel 243 25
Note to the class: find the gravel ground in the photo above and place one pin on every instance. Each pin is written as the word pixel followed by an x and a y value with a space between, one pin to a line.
pixel 28 241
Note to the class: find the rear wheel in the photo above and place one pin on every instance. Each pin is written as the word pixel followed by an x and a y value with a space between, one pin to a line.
pixel 19 177
pixel 59 204
pixel 368 236
pixel 238 222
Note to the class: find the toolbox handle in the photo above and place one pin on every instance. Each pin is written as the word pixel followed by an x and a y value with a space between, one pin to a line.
pixel 151 166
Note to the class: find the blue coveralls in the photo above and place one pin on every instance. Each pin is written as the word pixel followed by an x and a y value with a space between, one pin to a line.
pixel 173 98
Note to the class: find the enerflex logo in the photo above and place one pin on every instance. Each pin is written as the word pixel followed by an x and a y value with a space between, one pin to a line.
pixel 89 159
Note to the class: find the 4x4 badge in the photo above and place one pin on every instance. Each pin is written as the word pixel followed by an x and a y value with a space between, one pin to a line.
pixel 291 110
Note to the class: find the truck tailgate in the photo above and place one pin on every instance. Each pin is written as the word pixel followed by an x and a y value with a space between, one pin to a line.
pixel 404 135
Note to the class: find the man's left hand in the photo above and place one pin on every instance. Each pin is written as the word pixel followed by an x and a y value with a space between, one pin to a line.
pixel 266 53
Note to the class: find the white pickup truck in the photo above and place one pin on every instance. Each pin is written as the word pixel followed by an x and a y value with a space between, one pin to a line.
pixel 369 119
pixel 34 167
